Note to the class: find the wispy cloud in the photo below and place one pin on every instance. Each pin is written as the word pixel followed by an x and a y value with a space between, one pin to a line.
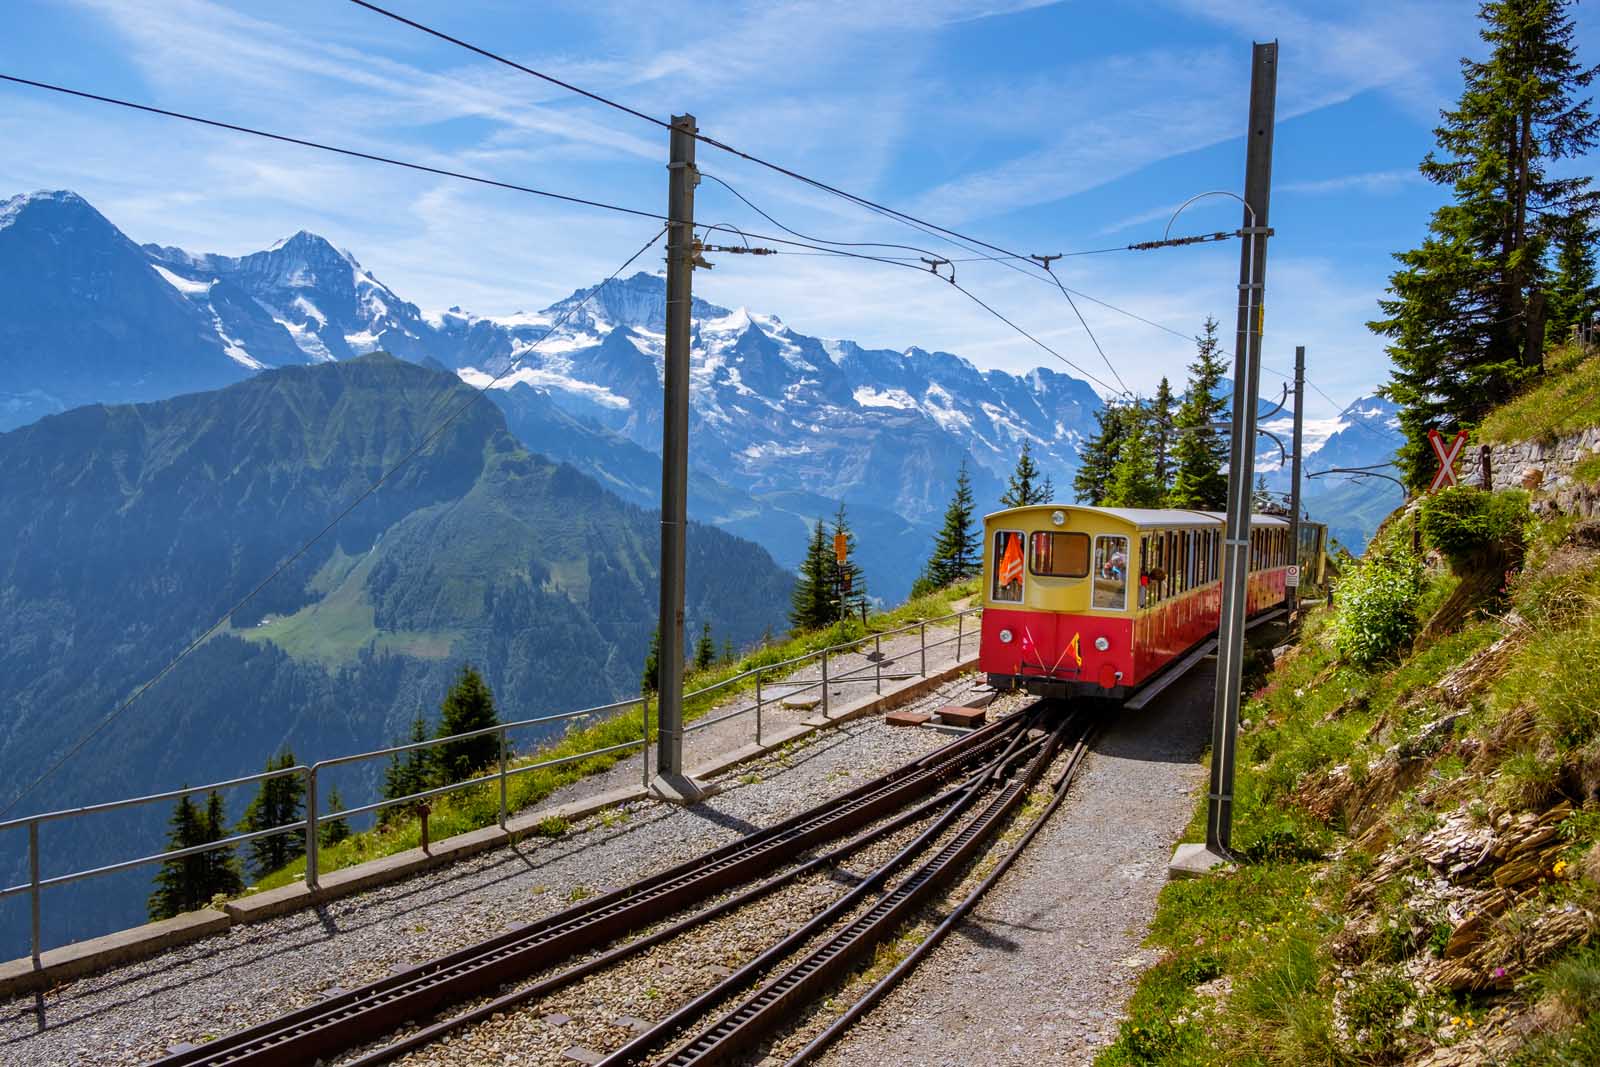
pixel 1379 181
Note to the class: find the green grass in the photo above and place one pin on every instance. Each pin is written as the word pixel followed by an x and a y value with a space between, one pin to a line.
pixel 1564 400
pixel 473 809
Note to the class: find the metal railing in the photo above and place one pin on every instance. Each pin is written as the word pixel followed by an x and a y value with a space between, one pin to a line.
pixel 314 821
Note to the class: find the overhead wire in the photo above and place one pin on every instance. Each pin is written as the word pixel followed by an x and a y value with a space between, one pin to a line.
pixel 433 435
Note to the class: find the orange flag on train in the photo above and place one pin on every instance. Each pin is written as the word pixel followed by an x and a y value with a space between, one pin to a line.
pixel 1011 561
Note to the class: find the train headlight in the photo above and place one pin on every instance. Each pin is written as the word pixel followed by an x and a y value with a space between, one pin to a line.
pixel 1005 637
pixel 1102 645
pixel 1058 517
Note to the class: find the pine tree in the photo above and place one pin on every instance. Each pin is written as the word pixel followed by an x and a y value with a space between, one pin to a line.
pixel 1133 476
pixel 847 582
pixel 705 650
pixel 409 772
pixel 1573 294
pixel 811 602
pixel 278 802
pixel 1099 456
pixel 190 882
pixel 1262 502
pixel 650 680
pixel 1161 428
pixel 1024 487
pixel 468 706
pixel 728 655
pixel 1467 310
pixel 334 828
pixel 955 549
pixel 221 866
pixel 1200 452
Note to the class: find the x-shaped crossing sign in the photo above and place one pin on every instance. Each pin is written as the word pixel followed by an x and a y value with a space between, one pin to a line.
pixel 1447 457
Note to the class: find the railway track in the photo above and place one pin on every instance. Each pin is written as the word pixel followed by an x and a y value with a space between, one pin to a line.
pixel 348 1020
pixel 858 926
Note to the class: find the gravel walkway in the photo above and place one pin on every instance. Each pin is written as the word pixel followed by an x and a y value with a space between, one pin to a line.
pixel 1040 973
pixel 251 973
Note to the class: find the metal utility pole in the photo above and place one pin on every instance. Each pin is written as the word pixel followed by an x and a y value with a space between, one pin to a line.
pixel 670 781
pixel 1292 594
pixel 1236 541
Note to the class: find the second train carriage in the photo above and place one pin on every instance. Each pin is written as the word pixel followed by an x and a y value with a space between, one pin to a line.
pixel 1090 601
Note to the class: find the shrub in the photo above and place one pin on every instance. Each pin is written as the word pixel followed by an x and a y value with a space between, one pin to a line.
pixel 1377 608
pixel 1462 522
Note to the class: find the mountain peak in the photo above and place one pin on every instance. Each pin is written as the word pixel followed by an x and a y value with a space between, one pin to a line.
pixel 49 205
pixel 313 249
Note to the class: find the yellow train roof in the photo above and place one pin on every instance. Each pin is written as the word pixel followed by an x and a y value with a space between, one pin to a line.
pixel 1143 517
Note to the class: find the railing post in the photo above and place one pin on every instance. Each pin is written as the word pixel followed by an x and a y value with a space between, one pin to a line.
pixel 877 663
pixel 824 683
pixel 758 709
pixel 311 827
pixel 961 618
pixel 923 637
pixel 502 736
pixel 644 748
pixel 33 878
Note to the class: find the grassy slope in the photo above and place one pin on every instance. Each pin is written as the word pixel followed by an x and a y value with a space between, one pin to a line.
pixel 1565 400
pixel 1327 946
pixel 472 809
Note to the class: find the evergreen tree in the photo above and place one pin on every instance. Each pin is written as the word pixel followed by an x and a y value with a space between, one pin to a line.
pixel 728 654
pixel 705 650
pixel 1025 487
pixel 811 604
pixel 955 549
pixel 190 882
pixel 335 827
pixel 1262 502
pixel 1161 440
pixel 468 706
pixel 1467 310
pixel 221 866
pixel 1099 456
pixel 1200 452
pixel 409 772
pixel 849 575
pixel 278 802
pixel 650 681
pixel 1573 294
pixel 1133 475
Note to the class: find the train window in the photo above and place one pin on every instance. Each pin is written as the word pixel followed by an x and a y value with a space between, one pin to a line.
pixel 1007 568
pixel 1111 572
pixel 1059 555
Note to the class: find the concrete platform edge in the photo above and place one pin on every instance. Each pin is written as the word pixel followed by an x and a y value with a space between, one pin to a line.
pixel 18 977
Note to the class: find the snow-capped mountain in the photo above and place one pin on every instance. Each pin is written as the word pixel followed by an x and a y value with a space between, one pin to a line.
pixel 785 424
pixel 774 409
pixel 1365 434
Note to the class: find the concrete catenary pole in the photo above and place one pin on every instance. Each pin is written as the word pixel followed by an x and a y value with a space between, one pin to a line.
pixel 670 781
pixel 1292 595
pixel 1246 389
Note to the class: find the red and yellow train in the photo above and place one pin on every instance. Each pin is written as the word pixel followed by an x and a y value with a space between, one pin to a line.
pixel 1088 601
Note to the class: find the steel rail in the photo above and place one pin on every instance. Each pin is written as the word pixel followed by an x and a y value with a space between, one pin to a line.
pixel 353 1018
pixel 433 1032
pixel 658 1034
pixel 868 1000
pixel 753 1021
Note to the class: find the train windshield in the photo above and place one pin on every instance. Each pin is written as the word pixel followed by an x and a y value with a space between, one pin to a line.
pixel 1111 572
pixel 1007 567
pixel 1060 555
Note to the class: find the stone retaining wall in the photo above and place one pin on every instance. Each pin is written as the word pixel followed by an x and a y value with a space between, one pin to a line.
pixel 1544 468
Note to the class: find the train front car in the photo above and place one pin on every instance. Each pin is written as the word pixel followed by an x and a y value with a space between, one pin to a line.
pixel 1096 602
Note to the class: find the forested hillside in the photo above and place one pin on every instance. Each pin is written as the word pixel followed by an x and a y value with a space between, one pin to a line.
pixel 125 530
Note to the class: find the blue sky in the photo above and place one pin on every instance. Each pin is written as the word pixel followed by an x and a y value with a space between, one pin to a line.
pixel 1044 127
